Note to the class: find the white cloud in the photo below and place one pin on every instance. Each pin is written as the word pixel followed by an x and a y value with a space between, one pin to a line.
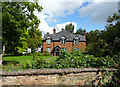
pixel 59 8
pixel 99 11
pixel 44 27
pixel 62 25
pixel 52 9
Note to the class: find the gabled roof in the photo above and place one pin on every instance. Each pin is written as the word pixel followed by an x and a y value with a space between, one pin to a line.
pixel 69 36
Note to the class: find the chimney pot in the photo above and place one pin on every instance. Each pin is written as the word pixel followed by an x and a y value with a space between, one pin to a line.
pixel 47 33
pixel 54 31
pixel 85 33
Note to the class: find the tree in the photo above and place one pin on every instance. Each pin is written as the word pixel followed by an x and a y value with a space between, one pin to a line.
pixel 70 28
pixel 80 31
pixel 17 18
pixel 34 39
pixel 106 42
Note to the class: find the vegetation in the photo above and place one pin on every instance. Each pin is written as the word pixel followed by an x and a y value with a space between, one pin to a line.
pixel 106 42
pixel 75 59
pixel 34 39
pixel 17 18
pixel 70 28
pixel 80 31
pixel 20 31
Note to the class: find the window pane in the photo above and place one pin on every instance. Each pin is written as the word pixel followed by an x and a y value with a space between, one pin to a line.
pixel 77 49
pixel 62 41
pixel 48 49
pixel 65 49
pixel 48 41
pixel 76 41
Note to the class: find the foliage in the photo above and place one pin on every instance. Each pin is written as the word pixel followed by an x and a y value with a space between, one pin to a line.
pixel 28 54
pixel 17 18
pixel 35 39
pixel 106 42
pixel 39 54
pixel 10 60
pixel 70 28
pixel 47 54
pixel 79 60
pixel 80 31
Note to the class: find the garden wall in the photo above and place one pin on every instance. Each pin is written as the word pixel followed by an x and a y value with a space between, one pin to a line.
pixel 73 76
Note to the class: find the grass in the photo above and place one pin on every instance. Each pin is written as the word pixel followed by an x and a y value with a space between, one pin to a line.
pixel 11 63
pixel 20 59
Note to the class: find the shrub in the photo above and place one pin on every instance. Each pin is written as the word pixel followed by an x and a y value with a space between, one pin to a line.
pixel 47 54
pixel 28 54
pixel 39 54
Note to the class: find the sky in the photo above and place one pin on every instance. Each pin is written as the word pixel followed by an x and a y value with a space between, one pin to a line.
pixel 85 14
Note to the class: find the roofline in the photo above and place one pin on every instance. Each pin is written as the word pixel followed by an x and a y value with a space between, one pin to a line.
pixel 66 40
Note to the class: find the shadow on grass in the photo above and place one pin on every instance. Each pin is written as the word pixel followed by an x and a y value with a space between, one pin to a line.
pixel 5 62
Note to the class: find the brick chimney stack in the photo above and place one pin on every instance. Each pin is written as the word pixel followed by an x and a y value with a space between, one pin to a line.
pixel 54 31
pixel 47 33
pixel 85 33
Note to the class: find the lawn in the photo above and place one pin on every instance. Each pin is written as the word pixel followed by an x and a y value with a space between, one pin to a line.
pixel 9 60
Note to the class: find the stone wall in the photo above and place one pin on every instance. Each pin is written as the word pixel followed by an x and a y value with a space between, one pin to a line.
pixel 77 76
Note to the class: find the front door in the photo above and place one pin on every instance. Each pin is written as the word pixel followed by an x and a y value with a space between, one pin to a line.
pixel 57 53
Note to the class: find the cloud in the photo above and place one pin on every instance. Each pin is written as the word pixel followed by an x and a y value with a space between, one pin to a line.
pixel 52 10
pixel 44 27
pixel 59 8
pixel 99 11
pixel 62 25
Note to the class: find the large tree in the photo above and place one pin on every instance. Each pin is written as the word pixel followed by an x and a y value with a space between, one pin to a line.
pixel 80 31
pixel 35 39
pixel 17 18
pixel 70 28
pixel 106 42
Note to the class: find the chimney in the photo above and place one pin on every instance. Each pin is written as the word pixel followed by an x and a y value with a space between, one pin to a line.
pixel 47 33
pixel 54 31
pixel 85 33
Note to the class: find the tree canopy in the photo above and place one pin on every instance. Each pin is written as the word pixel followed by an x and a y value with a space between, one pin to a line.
pixel 35 39
pixel 106 42
pixel 70 28
pixel 17 18
pixel 80 31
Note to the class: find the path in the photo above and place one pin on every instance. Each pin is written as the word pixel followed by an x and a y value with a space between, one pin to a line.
pixel 50 58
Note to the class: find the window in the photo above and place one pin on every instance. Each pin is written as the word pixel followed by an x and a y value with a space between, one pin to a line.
pixel 76 41
pixel 48 40
pixel 65 49
pixel 76 49
pixel 48 49
pixel 63 40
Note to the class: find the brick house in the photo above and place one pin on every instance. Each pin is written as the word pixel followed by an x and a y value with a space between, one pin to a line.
pixel 63 40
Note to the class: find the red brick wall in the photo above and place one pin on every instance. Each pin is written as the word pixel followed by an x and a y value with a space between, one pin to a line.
pixel 68 45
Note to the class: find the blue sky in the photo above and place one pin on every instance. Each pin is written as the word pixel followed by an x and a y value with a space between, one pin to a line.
pixel 85 15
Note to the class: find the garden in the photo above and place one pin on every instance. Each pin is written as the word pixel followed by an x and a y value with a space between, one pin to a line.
pixel 75 59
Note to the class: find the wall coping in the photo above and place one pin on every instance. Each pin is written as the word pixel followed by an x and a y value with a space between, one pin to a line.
pixel 54 71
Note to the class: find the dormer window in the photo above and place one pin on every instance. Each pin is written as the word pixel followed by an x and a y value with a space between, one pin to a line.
pixel 63 40
pixel 48 40
pixel 76 40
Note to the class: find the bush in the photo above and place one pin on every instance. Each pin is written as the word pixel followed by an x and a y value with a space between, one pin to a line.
pixel 28 54
pixel 47 54
pixel 39 54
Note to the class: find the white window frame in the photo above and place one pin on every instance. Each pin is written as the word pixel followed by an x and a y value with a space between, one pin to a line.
pixel 77 49
pixel 65 49
pixel 48 49
pixel 48 40
pixel 76 40
pixel 63 40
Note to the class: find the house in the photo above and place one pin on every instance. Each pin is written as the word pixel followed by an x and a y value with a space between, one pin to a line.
pixel 63 40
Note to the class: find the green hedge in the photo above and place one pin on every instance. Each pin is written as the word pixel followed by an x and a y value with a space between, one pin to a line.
pixel 78 60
